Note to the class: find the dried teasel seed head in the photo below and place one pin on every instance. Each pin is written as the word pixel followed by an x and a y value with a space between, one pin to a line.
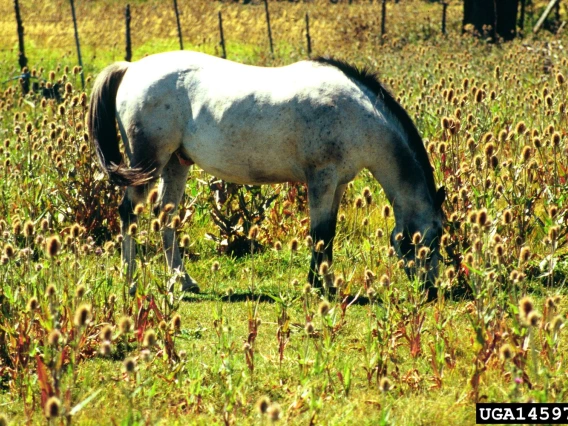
pixel 557 323
pixel 82 315
pixel 324 308
pixel 324 268
pixel 53 246
pixel 139 209
pixel 149 338
pixel 54 337
pixel 277 246
pixel 153 197
pixel 385 384
pixel 155 225
pixel 520 128
pixel 386 211
pixel 50 291
pixel 176 322
pixel 309 242
pixel 507 216
pixel 215 266
pixel 33 304
pixel 423 253
pixel 80 291
pixel 125 325
pixel 416 238
pixel 533 319
pixel 294 243
pixel 320 246
pixel 526 306
pixel 506 352
pixel 253 232
pixel 524 255
pixel 274 412
pixel 106 333
pixel 553 232
pixel 130 365
pixel 53 407
pixel 262 404
pixel 552 211
pixel 309 328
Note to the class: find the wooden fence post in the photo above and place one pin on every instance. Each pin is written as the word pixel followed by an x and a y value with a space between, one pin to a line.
pixel 128 56
pixel 222 36
pixel 444 8
pixel 77 43
pixel 308 39
pixel 268 25
pixel 22 60
pixel 383 18
pixel 178 25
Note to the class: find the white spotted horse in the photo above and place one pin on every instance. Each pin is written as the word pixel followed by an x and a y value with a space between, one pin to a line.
pixel 316 121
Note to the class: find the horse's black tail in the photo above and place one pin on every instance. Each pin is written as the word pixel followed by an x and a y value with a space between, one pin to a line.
pixel 102 127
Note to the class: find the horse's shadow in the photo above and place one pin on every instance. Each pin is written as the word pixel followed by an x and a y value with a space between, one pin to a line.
pixel 249 296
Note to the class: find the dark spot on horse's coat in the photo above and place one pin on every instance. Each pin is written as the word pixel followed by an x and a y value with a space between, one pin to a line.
pixel 167 106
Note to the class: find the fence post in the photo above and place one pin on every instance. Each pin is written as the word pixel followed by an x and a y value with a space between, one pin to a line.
pixel 444 8
pixel 178 25
pixel 77 43
pixel 268 25
pixel 22 60
pixel 222 36
pixel 128 56
pixel 383 18
pixel 308 39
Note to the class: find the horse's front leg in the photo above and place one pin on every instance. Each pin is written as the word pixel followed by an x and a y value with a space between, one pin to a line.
pixel 324 197
pixel 172 186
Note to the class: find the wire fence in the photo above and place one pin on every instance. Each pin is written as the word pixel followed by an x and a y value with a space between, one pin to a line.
pixel 342 25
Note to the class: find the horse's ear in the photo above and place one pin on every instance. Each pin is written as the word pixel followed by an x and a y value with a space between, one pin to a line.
pixel 440 197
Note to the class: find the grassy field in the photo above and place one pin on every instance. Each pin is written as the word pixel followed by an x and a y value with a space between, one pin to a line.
pixel 257 345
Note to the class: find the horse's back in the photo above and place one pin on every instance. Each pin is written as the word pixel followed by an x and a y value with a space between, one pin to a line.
pixel 246 123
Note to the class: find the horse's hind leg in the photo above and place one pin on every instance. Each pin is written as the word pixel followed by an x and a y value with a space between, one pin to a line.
pixel 324 196
pixel 172 186
pixel 133 196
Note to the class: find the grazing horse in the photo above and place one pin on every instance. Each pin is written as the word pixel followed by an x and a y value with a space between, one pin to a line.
pixel 317 121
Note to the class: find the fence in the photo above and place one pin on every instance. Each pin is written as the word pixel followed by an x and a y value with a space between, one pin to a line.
pixel 222 28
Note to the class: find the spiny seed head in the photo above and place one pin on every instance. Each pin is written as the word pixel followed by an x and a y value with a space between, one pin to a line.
pixel 106 333
pixel 339 281
pixel 163 326
pixel 155 226
pixel 386 211
pixel 133 229
pixel 560 79
pixel 526 153
pixel 507 217
pixel 139 209
pixel 319 246
pixel 277 246
pixel 489 149
pixel 215 266
pixel 445 123
pixel 358 202
pixel 552 211
pixel 555 139
pixel 482 217
pixel 44 225
pixel 307 289
pixel 324 268
pixel 526 306
pixel 50 291
pixel 105 348
pixel 525 254
pixel 550 303
pixel 33 304
pixel 274 412
pixel 309 328
pixel 75 230
pixel 450 273
pixel 176 322
pixel 253 232
pixel 385 384
pixel 80 291
pixel 125 325
pixel 506 352
pixel 153 197
pixel 53 245
pixel 499 250
pixel 294 244
pixel 521 128
pixel 185 241
pixel 9 251
pixel 533 319
pixel 368 195
pixel 323 308
pixel 28 229
pixel 423 253
pixel 54 337
pixel 129 365
pixel 309 242
pixel 169 207
pixel 553 232
pixel 416 238
pixel 52 407
pixel 557 323
pixel 82 315
pixel 149 338
pixel 176 222
pixel 262 404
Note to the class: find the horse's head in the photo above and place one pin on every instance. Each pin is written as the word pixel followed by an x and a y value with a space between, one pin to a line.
pixel 416 239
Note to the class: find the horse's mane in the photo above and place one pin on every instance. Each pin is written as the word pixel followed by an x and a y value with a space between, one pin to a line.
pixel 370 80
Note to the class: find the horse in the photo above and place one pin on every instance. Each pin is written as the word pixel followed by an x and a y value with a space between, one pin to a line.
pixel 318 121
